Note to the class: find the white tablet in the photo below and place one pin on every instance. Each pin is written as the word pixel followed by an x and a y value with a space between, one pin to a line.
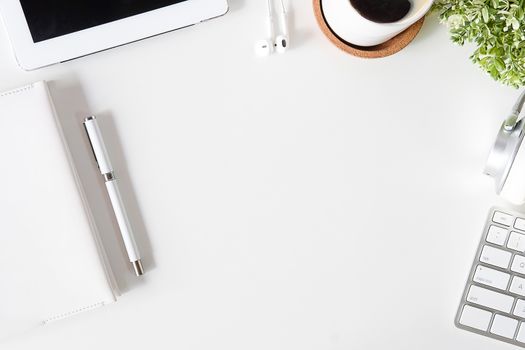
pixel 46 32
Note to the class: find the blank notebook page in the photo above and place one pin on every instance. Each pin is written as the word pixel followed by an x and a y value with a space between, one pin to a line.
pixel 50 264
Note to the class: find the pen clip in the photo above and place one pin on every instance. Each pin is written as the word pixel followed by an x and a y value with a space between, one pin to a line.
pixel 89 139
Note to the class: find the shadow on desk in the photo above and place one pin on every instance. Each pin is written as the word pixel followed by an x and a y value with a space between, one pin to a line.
pixel 234 5
pixel 71 109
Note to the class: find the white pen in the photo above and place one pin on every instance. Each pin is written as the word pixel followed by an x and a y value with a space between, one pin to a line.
pixel 104 164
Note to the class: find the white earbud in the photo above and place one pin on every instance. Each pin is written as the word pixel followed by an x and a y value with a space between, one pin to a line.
pixel 282 41
pixel 279 43
pixel 264 47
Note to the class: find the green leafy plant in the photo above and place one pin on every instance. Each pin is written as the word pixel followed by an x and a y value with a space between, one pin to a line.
pixel 496 27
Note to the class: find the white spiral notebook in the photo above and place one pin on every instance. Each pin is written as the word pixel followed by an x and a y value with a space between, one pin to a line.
pixel 51 263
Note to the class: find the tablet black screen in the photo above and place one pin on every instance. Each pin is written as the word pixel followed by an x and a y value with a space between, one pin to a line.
pixel 53 18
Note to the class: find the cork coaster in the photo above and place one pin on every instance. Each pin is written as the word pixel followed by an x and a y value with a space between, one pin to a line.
pixel 387 48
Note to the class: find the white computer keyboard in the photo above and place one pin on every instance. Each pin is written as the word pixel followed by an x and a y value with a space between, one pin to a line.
pixel 493 303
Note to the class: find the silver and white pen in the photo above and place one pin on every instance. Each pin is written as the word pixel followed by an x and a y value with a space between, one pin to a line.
pixel 106 169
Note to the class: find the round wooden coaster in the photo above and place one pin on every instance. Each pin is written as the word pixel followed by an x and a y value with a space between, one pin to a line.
pixel 387 48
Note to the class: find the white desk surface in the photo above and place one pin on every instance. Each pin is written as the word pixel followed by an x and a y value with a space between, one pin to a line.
pixel 311 200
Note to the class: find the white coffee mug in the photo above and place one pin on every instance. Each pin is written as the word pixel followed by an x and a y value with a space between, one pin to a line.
pixel 349 25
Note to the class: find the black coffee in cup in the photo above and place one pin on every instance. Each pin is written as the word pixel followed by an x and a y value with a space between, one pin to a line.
pixel 382 11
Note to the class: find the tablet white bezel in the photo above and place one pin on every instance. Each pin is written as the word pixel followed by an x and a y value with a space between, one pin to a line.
pixel 31 55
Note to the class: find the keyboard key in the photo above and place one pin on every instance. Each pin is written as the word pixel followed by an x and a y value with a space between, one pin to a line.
pixel 490 299
pixel 497 235
pixel 475 318
pixel 491 277
pixel 516 242
pixel 521 333
pixel 502 218
pixel 495 256
pixel 520 224
pixel 519 309
pixel 517 286
pixel 518 264
pixel 504 326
